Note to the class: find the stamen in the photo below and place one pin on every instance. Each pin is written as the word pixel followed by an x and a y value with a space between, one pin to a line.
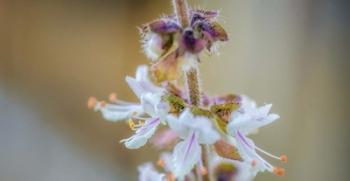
pixel 134 126
pixel 248 147
pixel 121 102
pixel 91 103
pixel 113 97
pixel 161 163
pixel 284 158
pixel 279 171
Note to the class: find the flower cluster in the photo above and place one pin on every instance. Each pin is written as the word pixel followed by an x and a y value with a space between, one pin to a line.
pixel 208 135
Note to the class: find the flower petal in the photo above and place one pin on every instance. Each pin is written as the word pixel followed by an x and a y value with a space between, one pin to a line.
pixel 177 126
pixel 264 110
pixel 246 148
pixel 142 84
pixel 147 172
pixel 142 134
pixel 164 139
pixel 135 86
pixel 186 154
pixel 207 134
pixel 115 113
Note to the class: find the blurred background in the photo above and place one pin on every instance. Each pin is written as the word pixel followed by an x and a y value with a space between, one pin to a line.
pixel 55 54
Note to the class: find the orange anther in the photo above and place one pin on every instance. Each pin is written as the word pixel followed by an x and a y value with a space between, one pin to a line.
pixel 284 158
pixel 161 163
pixel 204 171
pixel 279 171
pixel 91 103
pixel 113 97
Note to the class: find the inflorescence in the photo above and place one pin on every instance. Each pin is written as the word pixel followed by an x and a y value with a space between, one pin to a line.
pixel 208 135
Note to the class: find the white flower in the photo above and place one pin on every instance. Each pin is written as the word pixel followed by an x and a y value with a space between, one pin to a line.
pixel 147 172
pixel 250 117
pixel 141 84
pixel 151 109
pixel 142 134
pixel 157 110
pixel 195 130
pixel 143 88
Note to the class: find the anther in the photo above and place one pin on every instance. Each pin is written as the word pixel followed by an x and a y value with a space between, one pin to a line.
pixel 131 124
pixel 91 103
pixel 279 171
pixel 284 158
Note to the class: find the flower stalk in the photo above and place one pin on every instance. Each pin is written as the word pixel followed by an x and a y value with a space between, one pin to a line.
pixel 192 78
pixel 181 11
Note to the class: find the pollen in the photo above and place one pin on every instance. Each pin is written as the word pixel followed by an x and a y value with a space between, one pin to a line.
pixel 161 163
pixel 132 125
pixel 91 103
pixel 113 97
pixel 279 171
pixel 284 158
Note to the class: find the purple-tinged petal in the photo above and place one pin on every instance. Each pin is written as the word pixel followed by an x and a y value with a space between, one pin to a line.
pixel 142 134
pixel 247 150
pixel 164 139
pixel 186 154
pixel 164 26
